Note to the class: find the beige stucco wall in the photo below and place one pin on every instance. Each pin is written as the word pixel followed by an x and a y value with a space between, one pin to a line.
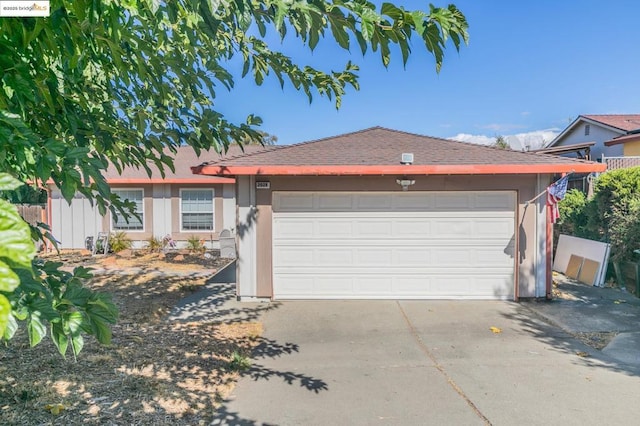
pixel 525 185
pixel 174 217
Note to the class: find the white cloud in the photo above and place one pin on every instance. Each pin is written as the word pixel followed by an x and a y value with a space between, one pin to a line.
pixel 519 141
pixel 502 127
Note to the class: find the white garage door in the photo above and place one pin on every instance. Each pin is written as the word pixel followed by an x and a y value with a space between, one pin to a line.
pixel 393 245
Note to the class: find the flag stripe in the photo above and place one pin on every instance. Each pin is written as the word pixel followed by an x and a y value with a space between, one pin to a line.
pixel 555 193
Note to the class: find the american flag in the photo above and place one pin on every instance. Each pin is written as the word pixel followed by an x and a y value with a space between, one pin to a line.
pixel 556 192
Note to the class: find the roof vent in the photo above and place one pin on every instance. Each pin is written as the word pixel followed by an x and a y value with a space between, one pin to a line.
pixel 407 158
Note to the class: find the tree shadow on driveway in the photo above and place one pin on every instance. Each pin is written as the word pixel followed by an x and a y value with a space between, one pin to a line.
pixel 564 341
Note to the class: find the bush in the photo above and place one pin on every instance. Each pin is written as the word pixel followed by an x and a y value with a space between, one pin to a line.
pixel 154 244
pixel 195 244
pixel 624 230
pixel 119 241
pixel 573 215
pixel 613 190
pixel 612 215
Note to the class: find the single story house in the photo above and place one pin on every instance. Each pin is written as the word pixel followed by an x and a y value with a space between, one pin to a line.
pixel 179 205
pixel 385 214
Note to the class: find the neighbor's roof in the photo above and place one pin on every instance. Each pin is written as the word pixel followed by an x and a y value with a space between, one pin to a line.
pixel 565 149
pixel 378 150
pixel 183 160
pixel 626 122
pixel 621 123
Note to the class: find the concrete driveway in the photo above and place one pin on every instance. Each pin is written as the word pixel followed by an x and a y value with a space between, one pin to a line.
pixel 426 362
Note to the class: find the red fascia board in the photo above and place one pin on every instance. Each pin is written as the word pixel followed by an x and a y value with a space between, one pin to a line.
pixel 454 169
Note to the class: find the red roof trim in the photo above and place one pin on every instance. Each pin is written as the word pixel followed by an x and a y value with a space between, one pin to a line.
pixel 461 169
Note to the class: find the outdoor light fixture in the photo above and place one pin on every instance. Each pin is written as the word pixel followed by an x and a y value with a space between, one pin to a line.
pixel 405 183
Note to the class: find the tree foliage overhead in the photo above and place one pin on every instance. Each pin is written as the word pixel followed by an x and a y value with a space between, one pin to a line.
pixel 126 81
pixel 118 81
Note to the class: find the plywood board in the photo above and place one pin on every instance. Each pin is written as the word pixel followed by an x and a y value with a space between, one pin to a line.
pixel 588 249
pixel 589 272
pixel 574 266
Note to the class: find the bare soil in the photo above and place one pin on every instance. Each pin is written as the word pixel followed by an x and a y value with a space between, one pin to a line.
pixel 154 371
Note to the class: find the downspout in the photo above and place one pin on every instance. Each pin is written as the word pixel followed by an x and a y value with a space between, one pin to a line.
pixel 549 249
pixel 516 278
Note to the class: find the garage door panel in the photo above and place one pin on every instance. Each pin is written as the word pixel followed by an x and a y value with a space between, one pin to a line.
pixel 335 286
pixel 412 201
pixel 374 202
pixel 334 202
pixel 334 228
pixel 295 229
pixel 374 257
pixel 393 245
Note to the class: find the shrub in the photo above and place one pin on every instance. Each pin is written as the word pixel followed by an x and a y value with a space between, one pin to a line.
pixel 624 230
pixel 195 244
pixel 573 214
pixel 154 244
pixel 612 215
pixel 119 241
pixel 613 189
pixel 239 362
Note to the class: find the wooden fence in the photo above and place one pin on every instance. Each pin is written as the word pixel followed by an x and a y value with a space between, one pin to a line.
pixel 33 213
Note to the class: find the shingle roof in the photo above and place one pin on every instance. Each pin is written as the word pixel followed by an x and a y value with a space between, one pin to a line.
pixel 183 160
pixel 378 150
pixel 626 122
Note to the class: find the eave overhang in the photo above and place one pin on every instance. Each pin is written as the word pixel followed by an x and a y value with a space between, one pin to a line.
pixel 352 170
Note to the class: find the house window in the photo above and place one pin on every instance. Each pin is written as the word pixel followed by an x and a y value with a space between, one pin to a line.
pixel 119 223
pixel 587 129
pixel 196 209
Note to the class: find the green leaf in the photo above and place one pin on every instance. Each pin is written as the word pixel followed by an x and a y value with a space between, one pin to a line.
pixel 36 329
pixel 59 338
pixel 8 278
pixel 8 182
pixel 11 327
pixel 16 245
pixel 5 315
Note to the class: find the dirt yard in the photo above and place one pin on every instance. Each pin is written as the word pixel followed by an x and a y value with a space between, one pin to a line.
pixel 155 371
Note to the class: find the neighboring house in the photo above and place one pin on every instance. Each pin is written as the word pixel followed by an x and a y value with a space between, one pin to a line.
pixel 611 135
pixel 180 205
pixel 343 218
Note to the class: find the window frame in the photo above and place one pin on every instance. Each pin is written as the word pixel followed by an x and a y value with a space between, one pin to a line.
pixel 112 223
pixel 213 210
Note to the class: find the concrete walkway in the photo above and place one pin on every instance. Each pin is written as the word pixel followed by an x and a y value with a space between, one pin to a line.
pixel 579 308
pixel 426 362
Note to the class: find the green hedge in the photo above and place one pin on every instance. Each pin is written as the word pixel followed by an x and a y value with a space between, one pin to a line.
pixel 611 215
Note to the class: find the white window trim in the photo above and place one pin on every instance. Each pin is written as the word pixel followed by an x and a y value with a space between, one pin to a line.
pixel 213 210
pixel 113 229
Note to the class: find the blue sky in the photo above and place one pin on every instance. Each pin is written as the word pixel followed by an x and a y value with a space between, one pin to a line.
pixel 529 69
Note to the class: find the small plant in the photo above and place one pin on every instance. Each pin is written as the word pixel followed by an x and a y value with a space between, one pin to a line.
pixel 154 244
pixel 119 241
pixel 239 362
pixel 195 244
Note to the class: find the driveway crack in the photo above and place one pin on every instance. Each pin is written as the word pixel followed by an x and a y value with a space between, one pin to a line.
pixel 440 367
